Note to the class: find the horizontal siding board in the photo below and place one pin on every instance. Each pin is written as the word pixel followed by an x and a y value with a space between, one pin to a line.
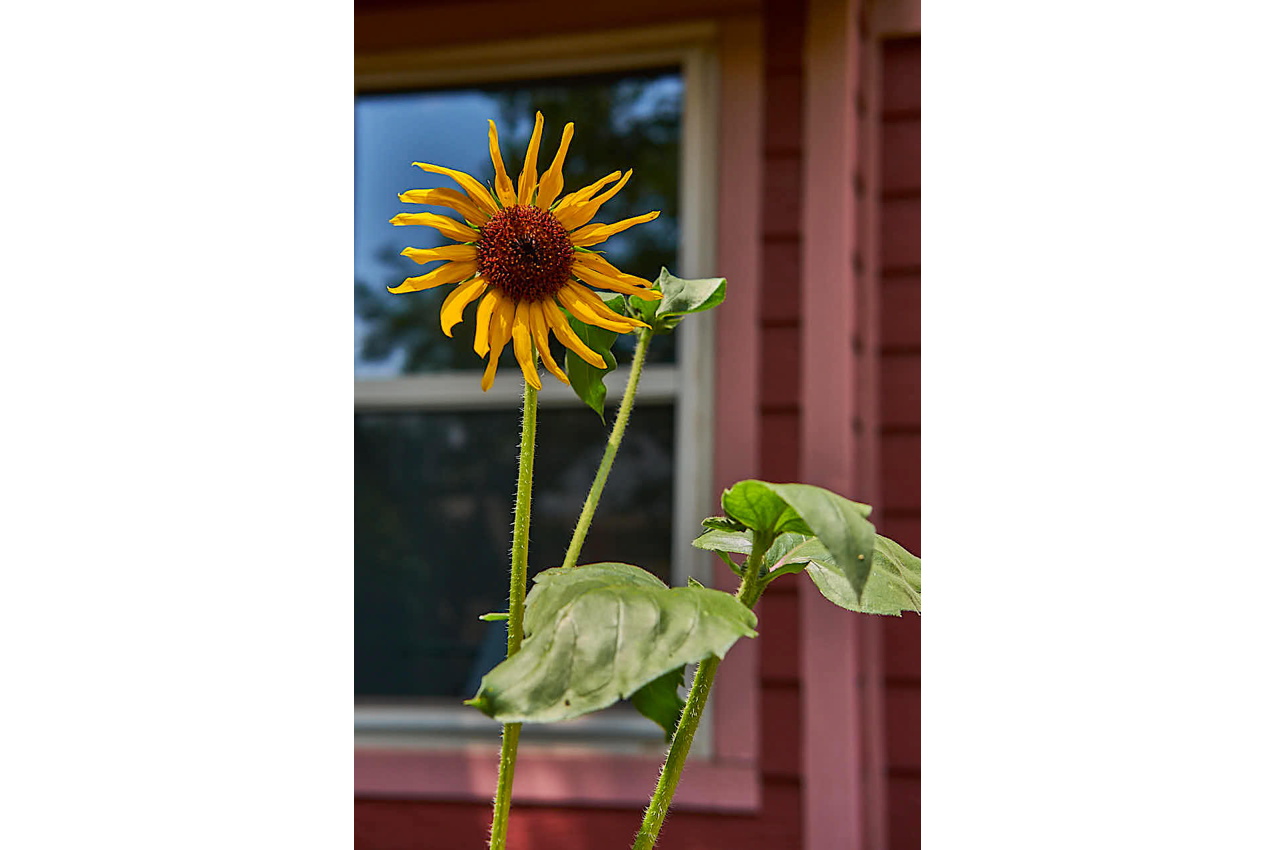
pixel 901 390
pixel 781 724
pixel 780 445
pixel 901 75
pixel 781 277
pixel 781 366
pixel 904 529
pixel 901 471
pixel 781 202
pixel 901 312
pixel 901 233
pixel 783 113
pixel 901 155
pixel 901 644
pixel 902 720
pixel 410 825
pixel 406 24
pixel 905 811
pixel 777 631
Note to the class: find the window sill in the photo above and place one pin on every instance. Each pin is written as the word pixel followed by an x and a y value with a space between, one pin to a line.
pixel 609 758
pixel 552 774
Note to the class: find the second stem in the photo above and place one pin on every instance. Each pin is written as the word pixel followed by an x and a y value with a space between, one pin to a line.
pixel 608 456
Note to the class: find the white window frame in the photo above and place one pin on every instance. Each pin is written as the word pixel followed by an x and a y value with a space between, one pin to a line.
pixel 688 385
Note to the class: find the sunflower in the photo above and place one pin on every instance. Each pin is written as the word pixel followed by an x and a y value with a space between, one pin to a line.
pixel 526 256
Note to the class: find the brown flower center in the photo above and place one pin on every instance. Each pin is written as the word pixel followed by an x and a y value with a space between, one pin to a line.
pixel 525 253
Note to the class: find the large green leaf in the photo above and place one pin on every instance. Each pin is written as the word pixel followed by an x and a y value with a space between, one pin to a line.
pixel 840 524
pixel 659 700
pixel 585 378
pixel 681 298
pixel 598 633
pixel 894 586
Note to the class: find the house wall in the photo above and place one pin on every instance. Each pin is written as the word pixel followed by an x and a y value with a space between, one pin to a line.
pixel 899 357
pixel 888 274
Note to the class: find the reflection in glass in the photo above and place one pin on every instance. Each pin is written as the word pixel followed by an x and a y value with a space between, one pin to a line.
pixel 432 506
pixel 622 122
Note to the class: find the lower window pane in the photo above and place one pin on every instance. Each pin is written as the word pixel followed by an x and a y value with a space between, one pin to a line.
pixel 433 510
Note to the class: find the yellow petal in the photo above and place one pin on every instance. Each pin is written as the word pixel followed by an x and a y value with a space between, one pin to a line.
pixel 449 227
pixel 592 234
pixel 476 191
pixel 566 336
pixel 583 195
pixel 482 323
pixel 584 213
pixel 502 325
pixel 603 281
pixel 444 274
pixel 587 307
pixel 504 186
pixel 522 344
pixel 540 333
pixel 551 183
pixel 600 264
pixel 447 198
pixel 444 252
pixel 455 303
pixel 527 180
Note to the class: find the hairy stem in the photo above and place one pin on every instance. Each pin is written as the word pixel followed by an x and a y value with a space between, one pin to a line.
pixel 750 590
pixel 517 599
pixel 608 456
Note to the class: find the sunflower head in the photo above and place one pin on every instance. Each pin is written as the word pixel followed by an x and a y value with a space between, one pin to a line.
pixel 527 256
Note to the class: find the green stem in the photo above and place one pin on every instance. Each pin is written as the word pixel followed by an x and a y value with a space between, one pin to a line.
pixel 517 599
pixel 749 592
pixel 608 456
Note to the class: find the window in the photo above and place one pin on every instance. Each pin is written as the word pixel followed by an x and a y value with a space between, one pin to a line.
pixel 435 458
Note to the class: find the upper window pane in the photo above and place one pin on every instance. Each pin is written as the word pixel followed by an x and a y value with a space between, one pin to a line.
pixel 622 121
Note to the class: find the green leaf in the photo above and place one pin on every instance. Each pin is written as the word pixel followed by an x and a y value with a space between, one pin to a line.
pixel 723 523
pixel 598 633
pixel 659 700
pixel 894 586
pixel 840 524
pixel 758 506
pixel 715 540
pixel 681 298
pixel 585 378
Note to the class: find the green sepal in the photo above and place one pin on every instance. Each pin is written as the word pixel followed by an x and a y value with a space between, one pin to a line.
pixel 598 633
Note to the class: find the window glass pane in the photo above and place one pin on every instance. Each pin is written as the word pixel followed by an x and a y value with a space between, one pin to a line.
pixel 433 509
pixel 622 122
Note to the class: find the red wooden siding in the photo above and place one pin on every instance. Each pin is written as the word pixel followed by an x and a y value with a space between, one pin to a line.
pixel 899 353
pixel 780 403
